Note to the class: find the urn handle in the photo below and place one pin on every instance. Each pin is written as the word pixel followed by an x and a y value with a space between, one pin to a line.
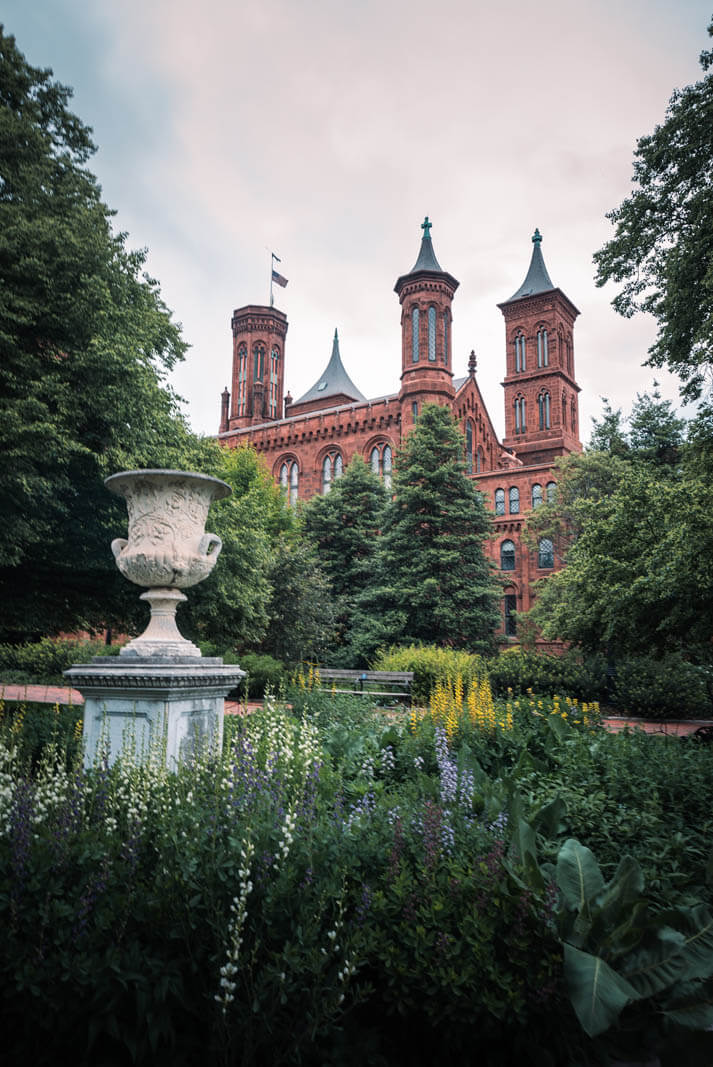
pixel 209 545
pixel 118 545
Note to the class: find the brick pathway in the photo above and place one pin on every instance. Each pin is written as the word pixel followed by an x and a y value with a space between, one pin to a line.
pixel 57 694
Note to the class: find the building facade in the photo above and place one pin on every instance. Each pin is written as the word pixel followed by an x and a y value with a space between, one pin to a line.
pixel 308 442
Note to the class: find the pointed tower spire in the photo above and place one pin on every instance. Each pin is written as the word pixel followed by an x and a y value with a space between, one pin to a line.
pixel 537 279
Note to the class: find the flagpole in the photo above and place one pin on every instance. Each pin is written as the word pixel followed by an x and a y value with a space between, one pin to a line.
pixel 272 267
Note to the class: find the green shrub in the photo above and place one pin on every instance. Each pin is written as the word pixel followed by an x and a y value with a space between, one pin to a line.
pixel 665 688
pixel 431 665
pixel 34 728
pixel 569 674
pixel 263 672
pixel 43 662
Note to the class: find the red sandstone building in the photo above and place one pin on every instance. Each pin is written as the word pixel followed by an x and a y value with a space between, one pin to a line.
pixel 308 442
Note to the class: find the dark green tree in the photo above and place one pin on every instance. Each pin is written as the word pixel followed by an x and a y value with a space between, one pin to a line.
pixel 656 433
pixel 343 527
pixel 300 607
pixel 662 248
pixel 608 433
pixel 85 345
pixel 432 581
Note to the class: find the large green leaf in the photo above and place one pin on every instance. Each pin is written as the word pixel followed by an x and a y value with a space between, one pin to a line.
pixel 598 994
pixel 678 955
pixel 613 906
pixel 523 854
pixel 578 876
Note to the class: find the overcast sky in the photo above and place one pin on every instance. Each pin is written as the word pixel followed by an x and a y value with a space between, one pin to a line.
pixel 325 131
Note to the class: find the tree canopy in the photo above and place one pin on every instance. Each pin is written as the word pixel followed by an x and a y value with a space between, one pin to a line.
pixel 86 345
pixel 634 526
pixel 432 581
pixel 662 248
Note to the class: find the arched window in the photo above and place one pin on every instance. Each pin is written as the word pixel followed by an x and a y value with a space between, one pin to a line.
pixel 543 407
pixel 520 421
pixel 543 358
pixel 507 556
pixel 259 359
pixel 573 412
pixel 469 446
pixel 289 479
pixel 569 354
pixel 242 378
pixel 520 364
pixel 536 495
pixel 564 410
pixel 510 607
pixel 432 334
pixel 514 500
pixel 331 470
pixel 414 335
pixel 551 487
pixel 446 324
pixel 381 462
pixel 274 362
pixel 545 554
pixel 499 501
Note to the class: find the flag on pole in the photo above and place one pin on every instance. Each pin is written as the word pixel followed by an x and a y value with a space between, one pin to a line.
pixel 279 279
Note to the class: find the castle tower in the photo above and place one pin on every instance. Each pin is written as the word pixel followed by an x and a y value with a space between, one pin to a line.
pixel 541 393
pixel 425 295
pixel 258 368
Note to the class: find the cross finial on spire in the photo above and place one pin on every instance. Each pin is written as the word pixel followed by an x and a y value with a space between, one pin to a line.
pixel 426 227
pixel 472 363
pixel 537 237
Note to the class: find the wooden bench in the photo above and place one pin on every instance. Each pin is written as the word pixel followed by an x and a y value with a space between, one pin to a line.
pixel 398 682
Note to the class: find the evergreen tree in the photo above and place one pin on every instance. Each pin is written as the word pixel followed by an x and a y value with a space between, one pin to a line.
pixel 432 581
pixel 343 527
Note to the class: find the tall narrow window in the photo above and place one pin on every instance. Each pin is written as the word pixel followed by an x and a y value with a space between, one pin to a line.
pixel 446 320
pixel 274 360
pixel 520 353
pixel 294 483
pixel 573 413
pixel 414 335
pixel 545 554
pixel 536 495
pixel 242 378
pixel 414 410
pixel 432 334
pixel 510 609
pixel 499 501
pixel 507 556
pixel 259 354
pixel 564 411
pixel 543 358
pixel 326 475
pixel 284 475
pixel 469 446
pixel 479 460
pixel 551 489
pixel 514 500
pixel 386 464
pixel 543 404
pixel 520 421
pixel 375 460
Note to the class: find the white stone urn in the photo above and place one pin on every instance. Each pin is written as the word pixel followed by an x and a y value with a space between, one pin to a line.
pixel 167 549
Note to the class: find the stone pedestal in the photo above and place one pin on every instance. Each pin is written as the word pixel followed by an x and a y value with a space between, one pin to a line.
pixel 172 706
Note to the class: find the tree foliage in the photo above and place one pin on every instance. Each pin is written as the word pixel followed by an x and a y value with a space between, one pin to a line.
pixel 662 248
pixel 432 582
pixel 635 529
pixel 86 344
pixel 344 528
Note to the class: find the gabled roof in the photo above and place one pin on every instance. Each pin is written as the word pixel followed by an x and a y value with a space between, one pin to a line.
pixel 333 381
pixel 537 279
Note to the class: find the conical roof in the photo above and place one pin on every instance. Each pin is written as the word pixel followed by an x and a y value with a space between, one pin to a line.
pixel 426 262
pixel 333 381
pixel 537 279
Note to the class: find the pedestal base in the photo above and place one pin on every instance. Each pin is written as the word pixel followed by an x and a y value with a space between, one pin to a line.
pixel 151 707
pixel 162 636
